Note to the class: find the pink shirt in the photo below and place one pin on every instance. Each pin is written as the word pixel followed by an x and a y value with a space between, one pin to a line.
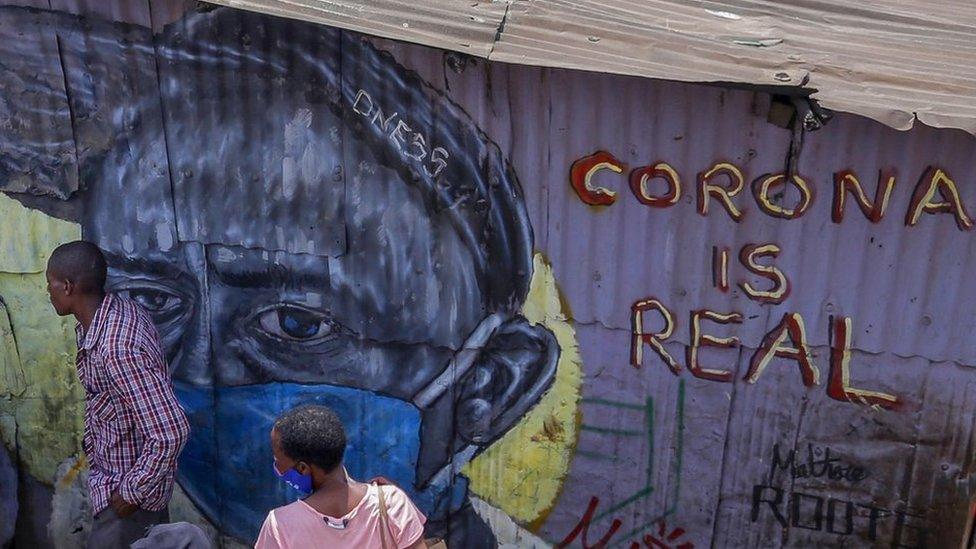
pixel 298 526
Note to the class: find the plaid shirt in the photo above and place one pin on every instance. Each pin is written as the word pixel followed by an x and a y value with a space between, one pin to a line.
pixel 134 426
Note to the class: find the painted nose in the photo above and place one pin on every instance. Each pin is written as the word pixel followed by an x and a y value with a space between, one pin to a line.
pixel 189 355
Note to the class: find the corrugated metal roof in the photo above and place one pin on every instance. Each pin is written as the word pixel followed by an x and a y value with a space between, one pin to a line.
pixel 891 60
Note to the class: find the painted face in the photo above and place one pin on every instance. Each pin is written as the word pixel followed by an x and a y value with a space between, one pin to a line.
pixel 306 221
pixel 250 333
pixel 301 260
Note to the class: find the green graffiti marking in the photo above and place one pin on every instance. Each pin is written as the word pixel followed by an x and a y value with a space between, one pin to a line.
pixel 647 409
pixel 678 460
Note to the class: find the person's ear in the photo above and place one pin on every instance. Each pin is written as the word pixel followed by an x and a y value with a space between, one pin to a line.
pixel 69 287
pixel 509 376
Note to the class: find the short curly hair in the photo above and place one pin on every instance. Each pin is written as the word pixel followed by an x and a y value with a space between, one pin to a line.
pixel 81 262
pixel 313 434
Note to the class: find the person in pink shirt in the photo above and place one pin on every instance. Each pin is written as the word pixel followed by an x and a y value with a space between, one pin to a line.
pixel 308 443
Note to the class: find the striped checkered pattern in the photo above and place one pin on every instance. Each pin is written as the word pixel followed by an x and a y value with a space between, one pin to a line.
pixel 134 426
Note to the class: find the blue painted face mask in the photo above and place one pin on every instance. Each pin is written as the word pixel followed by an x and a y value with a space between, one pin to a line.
pixel 291 477
pixel 224 471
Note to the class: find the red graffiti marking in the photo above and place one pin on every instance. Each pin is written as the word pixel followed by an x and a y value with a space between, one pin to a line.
pixel 839 384
pixel 654 339
pixel 700 339
pixel 583 527
pixel 774 345
pixel 723 194
pixel 762 190
pixel 766 191
pixel 662 541
pixel 780 290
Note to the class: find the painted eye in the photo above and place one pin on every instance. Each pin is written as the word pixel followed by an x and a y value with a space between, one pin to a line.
pixel 155 300
pixel 292 323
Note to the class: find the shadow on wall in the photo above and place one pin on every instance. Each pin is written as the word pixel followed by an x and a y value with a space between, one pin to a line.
pixel 8 497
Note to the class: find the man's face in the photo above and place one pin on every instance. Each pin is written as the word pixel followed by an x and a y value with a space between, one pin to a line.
pixel 58 294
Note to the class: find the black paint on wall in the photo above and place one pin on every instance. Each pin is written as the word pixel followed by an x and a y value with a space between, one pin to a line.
pixel 306 220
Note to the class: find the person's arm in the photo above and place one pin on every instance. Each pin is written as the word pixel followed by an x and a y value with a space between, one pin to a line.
pixel 421 544
pixel 143 389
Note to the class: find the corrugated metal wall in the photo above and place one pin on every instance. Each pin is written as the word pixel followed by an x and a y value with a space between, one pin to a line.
pixel 612 453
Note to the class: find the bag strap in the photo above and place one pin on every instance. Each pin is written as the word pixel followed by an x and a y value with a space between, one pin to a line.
pixel 384 520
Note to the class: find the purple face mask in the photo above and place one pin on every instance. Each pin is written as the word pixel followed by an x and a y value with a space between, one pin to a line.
pixel 298 481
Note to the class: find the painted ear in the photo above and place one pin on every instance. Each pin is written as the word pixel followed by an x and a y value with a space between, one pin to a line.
pixel 507 379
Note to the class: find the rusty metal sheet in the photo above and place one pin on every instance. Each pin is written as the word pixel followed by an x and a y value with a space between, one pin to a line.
pixel 460 26
pixel 39 155
pixel 892 60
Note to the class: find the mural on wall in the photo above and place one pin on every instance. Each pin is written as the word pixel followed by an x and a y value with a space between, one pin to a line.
pixel 327 250
pixel 555 320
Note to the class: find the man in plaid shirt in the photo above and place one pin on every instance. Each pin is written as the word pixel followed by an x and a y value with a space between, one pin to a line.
pixel 134 426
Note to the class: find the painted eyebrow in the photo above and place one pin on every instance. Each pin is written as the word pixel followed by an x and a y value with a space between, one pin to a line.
pixel 141 265
pixel 271 275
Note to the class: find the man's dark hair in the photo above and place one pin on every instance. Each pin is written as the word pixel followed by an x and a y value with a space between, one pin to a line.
pixel 312 434
pixel 82 263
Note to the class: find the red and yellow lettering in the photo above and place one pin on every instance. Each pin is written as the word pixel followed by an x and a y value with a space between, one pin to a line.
pixel 581 178
pixel 839 383
pixel 781 285
pixel 720 268
pixel 723 194
pixel 641 176
pixel 846 181
pixel 936 179
pixel 698 339
pixel 773 345
pixel 762 186
pixel 653 339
